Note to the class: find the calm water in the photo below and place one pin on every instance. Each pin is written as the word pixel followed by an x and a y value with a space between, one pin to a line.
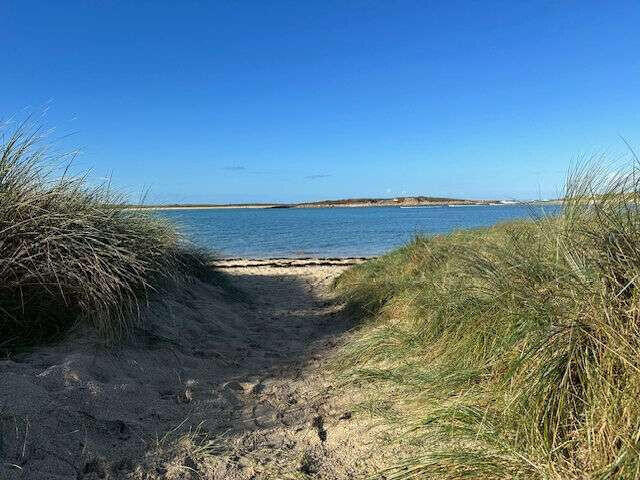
pixel 335 232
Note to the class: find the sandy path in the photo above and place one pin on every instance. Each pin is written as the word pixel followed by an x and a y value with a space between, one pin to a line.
pixel 213 389
pixel 296 423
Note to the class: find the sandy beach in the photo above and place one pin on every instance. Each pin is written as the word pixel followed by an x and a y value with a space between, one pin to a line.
pixel 213 387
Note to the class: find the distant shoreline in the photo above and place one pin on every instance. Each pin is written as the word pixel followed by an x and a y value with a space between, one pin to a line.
pixel 349 203
pixel 199 207
pixel 275 207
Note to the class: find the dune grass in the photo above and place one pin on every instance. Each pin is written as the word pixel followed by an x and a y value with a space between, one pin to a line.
pixel 511 352
pixel 68 254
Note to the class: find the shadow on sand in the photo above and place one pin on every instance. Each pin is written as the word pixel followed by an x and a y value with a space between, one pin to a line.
pixel 216 387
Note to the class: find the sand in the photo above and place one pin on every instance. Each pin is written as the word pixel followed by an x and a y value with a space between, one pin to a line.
pixel 213 388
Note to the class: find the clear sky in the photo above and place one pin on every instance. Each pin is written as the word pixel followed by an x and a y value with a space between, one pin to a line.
pixel 281 101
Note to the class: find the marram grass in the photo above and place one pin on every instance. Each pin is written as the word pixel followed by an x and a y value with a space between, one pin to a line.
pixel 513 351
pixel 68 254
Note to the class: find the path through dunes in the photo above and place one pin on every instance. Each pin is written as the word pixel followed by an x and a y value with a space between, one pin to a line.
pixel 290 420
pixel 295 423
pixel 213 388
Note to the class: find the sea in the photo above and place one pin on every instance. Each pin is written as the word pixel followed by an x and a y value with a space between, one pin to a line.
pixel 333 232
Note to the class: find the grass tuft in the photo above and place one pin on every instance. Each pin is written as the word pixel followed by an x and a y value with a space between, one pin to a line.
pixel 513 351
pixel 69 252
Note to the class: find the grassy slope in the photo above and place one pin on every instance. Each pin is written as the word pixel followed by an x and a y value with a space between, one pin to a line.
pixel 510 352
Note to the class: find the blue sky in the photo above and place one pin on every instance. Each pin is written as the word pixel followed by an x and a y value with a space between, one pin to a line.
pixel 286 101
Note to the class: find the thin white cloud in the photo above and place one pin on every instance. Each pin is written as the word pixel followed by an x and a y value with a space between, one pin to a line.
pixel 318 176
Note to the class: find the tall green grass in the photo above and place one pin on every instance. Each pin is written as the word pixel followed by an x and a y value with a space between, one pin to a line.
pixel 68 254
pixel 511 352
